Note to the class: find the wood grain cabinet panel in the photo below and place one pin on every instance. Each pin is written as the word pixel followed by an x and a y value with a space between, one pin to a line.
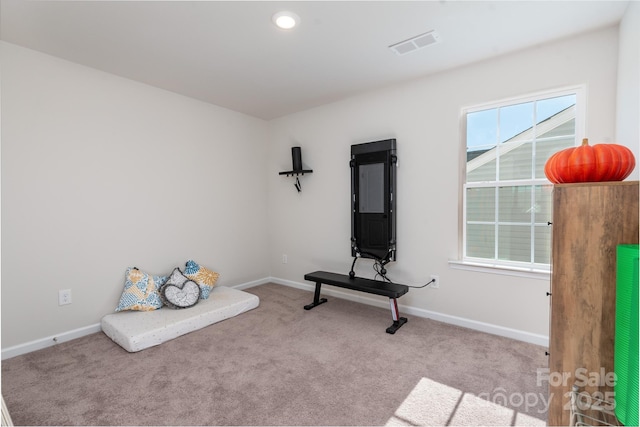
pixel 589 221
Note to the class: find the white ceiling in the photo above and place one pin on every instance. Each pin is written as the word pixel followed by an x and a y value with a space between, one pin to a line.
pixel 229 53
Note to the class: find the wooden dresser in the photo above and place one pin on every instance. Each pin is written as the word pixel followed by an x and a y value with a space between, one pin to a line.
pixel 589 221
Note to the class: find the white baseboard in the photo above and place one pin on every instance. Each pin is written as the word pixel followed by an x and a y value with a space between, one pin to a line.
pixel 39 344
pixel 516 334
pixel 251 284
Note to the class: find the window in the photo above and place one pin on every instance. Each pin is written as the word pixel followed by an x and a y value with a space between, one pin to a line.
pixel 506 196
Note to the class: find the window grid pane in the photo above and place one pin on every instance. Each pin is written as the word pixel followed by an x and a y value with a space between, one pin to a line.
pixel 481 204
pixel 481 241
pixel 515 161
pixel 514 243
pixel 515 204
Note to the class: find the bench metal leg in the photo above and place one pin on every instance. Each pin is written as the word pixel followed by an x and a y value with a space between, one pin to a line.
pixel 316 298
pixel 397 321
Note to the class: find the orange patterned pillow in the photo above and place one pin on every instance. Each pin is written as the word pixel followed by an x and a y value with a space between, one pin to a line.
pixel 204 277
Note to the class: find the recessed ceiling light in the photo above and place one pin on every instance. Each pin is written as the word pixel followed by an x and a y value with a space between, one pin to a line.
pixel 285 20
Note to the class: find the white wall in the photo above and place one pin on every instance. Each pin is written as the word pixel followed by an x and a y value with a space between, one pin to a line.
pixel 100 173
pixel 628 101
pixel 313 227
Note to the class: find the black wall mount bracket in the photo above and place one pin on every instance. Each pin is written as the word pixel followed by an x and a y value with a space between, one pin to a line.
pixel 296 156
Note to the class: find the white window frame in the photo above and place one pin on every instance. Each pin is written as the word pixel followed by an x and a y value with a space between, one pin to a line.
pixel 539 271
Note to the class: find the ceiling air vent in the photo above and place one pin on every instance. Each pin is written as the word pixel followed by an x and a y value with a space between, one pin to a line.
pixel 415 43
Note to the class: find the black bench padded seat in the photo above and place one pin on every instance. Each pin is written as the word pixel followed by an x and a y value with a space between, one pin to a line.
pixel 377 287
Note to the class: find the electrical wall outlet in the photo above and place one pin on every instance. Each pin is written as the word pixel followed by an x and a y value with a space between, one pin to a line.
pixel 284 258
pixel 64 297
pixel 436 281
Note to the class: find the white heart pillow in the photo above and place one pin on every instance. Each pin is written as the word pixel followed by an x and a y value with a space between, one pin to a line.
pixel 180 292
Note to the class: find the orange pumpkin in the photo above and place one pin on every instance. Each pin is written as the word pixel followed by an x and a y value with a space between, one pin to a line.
pixel 586 163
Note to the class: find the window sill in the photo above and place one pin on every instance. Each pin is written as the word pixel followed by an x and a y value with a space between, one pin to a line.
pixel 501 269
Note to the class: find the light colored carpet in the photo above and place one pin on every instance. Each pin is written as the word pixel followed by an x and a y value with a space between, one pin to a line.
pixel 282 365
pixel 434 404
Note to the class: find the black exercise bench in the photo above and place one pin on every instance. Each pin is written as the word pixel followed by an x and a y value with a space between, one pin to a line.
pixel 387 289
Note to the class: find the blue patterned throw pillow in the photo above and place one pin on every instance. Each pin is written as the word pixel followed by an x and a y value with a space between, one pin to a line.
pixel 204 277
pixel 141 291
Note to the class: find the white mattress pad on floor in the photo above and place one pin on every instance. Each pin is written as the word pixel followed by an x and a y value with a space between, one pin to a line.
pixel 137 330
